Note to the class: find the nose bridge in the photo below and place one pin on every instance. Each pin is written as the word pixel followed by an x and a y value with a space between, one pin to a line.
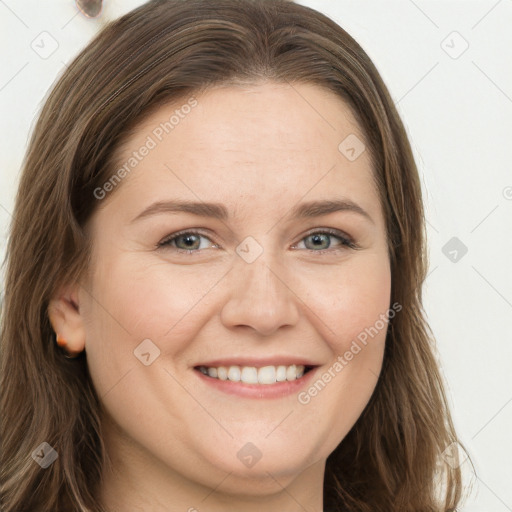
pixel 259 296
pixel 256 264
pixel 262 280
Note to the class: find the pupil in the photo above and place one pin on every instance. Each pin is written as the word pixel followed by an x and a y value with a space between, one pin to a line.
pixel 190 241
pixel 319 239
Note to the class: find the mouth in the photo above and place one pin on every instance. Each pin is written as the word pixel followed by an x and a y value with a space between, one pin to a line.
pixel 256 375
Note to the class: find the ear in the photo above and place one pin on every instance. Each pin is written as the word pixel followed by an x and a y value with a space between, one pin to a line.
pixel 66 320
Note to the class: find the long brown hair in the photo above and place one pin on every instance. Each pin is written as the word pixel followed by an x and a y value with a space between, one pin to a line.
pixel 391 459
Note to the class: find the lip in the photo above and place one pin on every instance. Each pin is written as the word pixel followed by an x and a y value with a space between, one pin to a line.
pixel 241 389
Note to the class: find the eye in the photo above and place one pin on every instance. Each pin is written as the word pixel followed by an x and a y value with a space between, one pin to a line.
pixel 187 241
pixel 320 241
pixel 317 241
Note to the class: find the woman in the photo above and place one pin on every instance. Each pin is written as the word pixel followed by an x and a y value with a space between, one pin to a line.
pixel 213 296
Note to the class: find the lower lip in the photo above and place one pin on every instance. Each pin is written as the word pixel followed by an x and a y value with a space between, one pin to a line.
pixel 277 390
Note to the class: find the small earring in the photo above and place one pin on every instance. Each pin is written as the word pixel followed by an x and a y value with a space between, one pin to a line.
pixel 62 343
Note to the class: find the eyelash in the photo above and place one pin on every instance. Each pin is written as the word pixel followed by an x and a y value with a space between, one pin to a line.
pixel 346 241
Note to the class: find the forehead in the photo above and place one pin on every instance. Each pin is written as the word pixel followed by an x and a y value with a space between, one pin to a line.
pixel 260 144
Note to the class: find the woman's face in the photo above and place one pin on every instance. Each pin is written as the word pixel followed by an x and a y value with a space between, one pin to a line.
pixel 281 260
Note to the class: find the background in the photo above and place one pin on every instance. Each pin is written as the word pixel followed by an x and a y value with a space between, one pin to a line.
pixel 447 65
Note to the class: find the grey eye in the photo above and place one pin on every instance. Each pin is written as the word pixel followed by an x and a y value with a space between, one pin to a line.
pixel 188 241
pixel 318 241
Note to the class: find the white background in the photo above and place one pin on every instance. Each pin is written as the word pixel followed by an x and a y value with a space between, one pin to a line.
pixel 457 108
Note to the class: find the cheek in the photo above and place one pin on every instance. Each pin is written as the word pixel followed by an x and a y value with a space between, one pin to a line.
pixel 351 318
pixel 351 299
pixel 152 300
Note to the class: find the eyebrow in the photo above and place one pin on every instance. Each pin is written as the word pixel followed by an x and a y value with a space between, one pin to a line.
pixel 218 211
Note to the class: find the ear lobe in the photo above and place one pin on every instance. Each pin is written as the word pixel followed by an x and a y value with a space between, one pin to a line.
pixel 66 320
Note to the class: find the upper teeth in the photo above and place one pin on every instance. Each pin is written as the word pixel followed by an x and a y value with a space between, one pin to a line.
pixel 253 375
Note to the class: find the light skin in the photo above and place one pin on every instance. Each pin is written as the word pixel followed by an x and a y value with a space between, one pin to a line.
pixel 259 151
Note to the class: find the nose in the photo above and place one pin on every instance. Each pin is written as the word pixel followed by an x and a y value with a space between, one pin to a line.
pixel 259 298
